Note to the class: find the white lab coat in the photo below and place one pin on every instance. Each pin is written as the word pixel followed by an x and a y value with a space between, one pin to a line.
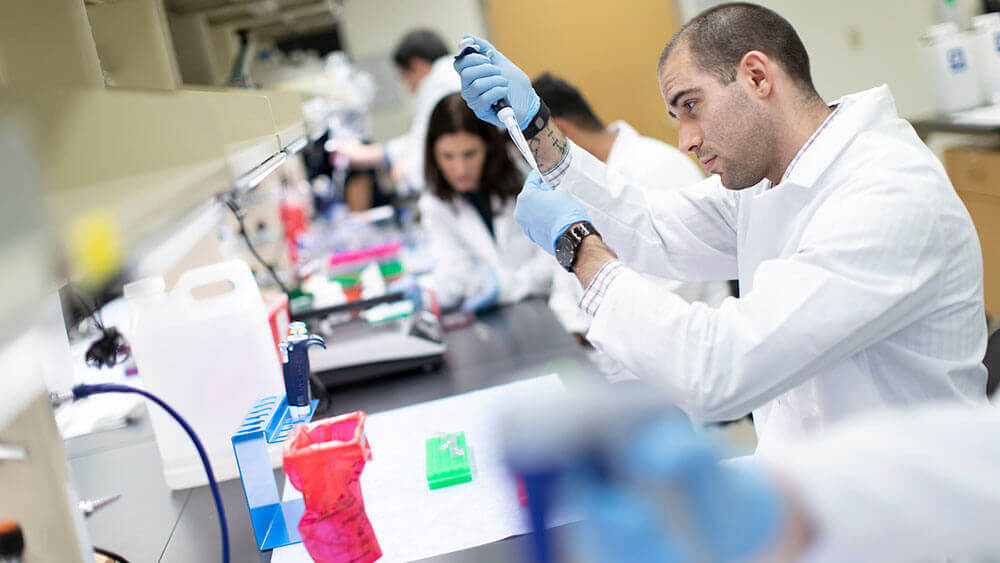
pixel 900 485
pixel 460 243
pixel 860 276
pixel 441 81
pixel 647 163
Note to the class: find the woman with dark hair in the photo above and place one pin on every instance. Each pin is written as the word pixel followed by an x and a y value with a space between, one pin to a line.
pixel 482 258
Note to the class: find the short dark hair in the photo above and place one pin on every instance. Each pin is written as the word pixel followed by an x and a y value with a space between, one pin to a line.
pixel 566 102
pixel 419 44
pixel 499 176
pixel 718 38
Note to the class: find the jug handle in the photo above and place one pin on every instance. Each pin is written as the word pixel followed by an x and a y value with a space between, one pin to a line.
pixel 237 272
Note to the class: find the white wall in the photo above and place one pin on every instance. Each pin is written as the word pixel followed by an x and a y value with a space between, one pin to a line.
pixel 853 44
pixel 371 29
pixel 857 44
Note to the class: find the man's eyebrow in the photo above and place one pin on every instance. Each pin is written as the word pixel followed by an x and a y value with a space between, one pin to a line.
pixel 679 95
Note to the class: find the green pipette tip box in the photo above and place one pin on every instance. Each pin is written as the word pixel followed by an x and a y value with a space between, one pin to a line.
pixel 449 465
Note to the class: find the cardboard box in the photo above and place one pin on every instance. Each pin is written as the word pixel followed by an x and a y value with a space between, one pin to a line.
pixel 975 173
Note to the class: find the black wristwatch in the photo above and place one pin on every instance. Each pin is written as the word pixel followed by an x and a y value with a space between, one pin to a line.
pixel 538 122
pixel 570 240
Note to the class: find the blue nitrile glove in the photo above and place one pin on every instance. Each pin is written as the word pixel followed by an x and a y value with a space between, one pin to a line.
pixel 489 295
pixel 410 289
pixel 544 214
pixel 487 77
pixel 669 499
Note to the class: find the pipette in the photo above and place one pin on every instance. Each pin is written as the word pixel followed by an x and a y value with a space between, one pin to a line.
pixel 504 112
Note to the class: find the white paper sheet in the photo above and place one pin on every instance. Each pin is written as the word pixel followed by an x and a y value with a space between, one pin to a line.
pixel 410 520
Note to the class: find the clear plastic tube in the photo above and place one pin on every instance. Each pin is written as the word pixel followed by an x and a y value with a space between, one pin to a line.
pixel 506 116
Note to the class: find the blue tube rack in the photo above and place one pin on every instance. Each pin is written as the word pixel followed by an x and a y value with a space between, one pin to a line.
pixel 275 523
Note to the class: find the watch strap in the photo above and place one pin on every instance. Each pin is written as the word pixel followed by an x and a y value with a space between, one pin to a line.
pixel 577 231
pixel 538 122
pixel 575 234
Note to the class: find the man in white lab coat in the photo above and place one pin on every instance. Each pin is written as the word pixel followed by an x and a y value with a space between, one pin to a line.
pixel 425 66
pixel 645 161
pixel 860 271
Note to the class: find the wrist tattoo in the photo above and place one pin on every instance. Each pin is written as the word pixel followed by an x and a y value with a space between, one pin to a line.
pixel 558 141
pixel 548 147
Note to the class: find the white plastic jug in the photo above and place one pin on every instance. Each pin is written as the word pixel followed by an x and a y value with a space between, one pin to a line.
pixel 210 358
pixel 986 33
pixel 949 68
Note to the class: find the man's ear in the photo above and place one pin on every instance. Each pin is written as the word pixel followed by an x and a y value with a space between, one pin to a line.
pixel 568 128
pixel 562 124
pixel 759 72
pixel 416 63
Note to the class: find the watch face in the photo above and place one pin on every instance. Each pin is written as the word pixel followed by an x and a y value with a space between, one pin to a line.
pixel 564 251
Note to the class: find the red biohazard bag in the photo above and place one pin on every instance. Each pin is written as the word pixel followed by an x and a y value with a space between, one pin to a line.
pixel 324 459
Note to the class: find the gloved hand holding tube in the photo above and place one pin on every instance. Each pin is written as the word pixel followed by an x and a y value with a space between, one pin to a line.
pixel 544 214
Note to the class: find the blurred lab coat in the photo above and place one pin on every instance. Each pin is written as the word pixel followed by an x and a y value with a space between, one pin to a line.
pixel 860 279
pixel 439 82
pixel 460 244
pixel 914 484
pixel 648 163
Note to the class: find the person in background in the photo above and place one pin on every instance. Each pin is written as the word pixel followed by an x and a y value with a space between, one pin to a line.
pixel 482 258
pixel 362 189
pixel 646 161
pixel 424 64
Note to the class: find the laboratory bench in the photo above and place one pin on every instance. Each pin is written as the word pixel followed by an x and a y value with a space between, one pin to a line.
pixel 930 124
pixel 152 523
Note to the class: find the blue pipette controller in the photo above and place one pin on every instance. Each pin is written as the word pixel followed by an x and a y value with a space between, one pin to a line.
pixel 295 367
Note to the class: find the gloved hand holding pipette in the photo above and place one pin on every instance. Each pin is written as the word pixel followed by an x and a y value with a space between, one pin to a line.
pixel 497 91
pixel 488 77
